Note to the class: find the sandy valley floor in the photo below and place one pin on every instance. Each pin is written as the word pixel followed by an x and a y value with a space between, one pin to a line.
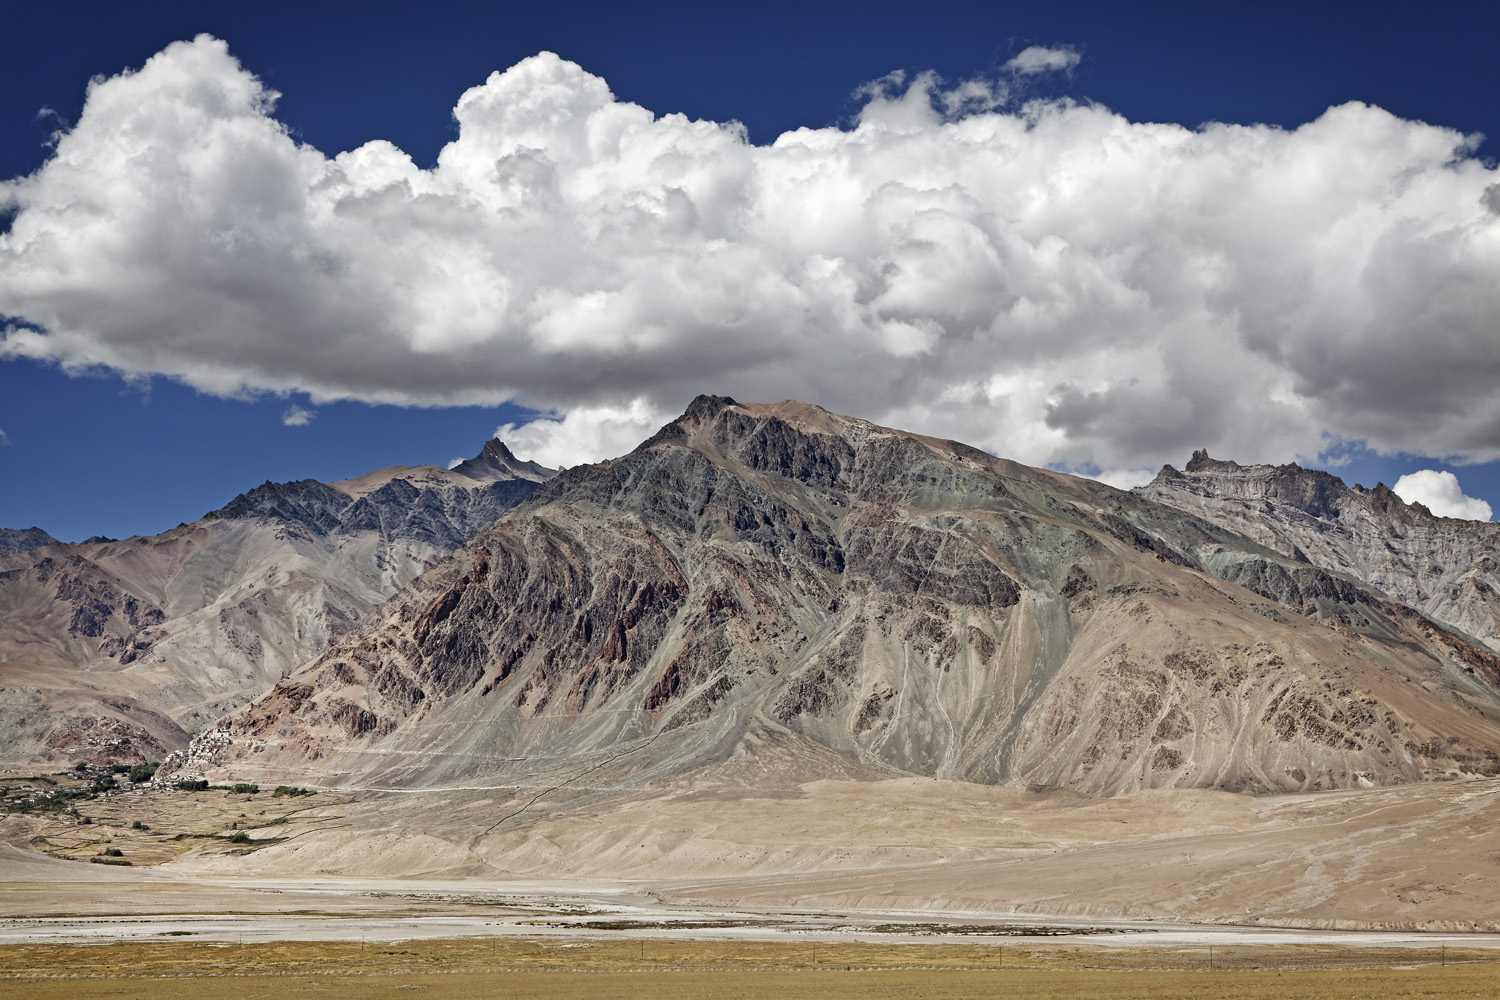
pixel 721 890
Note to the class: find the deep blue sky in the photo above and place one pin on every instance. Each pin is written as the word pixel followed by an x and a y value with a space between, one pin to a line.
pixel 94 455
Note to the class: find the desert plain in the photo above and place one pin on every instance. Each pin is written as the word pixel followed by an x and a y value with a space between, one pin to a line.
pixel 675 890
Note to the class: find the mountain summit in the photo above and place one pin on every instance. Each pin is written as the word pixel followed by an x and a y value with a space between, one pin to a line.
pixel 21 539
pixel 497 462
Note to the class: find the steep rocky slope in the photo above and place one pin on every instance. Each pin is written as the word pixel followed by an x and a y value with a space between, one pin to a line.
pixel 1445 567
pixel 775 589
pixel 145 637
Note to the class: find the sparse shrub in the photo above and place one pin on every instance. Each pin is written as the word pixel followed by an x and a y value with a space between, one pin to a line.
pixel 239 838
pixel 243 788
pixel 142 772
pixel 87 821
pixel 138 825
pixel 112 852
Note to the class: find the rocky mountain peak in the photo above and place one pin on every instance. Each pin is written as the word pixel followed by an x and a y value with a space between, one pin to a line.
pixel 700 411
pixel 1201 462
pixel 22 539
pixel 705 406
pixel 496 461
pixel 1313 492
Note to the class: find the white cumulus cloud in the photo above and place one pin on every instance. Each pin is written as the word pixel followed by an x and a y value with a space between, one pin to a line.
pixel 1044 59
pixel 1049 281
pixel 584 434
pixel 297 416
pixel 1441 494
pixel 1125 479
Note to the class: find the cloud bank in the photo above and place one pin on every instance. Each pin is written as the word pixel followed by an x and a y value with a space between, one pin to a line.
pixel 1441 494
pixel 1047 280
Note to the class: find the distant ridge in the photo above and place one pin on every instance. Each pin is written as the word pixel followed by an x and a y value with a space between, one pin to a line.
pixel 21 539
pixel 145 638
pixel 1445 567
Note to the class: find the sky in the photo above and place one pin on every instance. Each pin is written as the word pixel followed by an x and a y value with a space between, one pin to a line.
pixel 275 241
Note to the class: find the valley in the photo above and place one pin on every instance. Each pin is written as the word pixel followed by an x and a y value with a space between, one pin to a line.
pixel 776 675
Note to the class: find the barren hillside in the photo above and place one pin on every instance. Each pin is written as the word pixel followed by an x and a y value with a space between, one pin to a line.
pixel 144 638
pixel 815 596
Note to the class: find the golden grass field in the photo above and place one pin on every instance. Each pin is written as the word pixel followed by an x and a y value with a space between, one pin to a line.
pixel 653 968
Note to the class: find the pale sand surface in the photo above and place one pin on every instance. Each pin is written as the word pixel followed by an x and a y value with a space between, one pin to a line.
pixel 1415 856
pixel 392 910
pixel 1414 866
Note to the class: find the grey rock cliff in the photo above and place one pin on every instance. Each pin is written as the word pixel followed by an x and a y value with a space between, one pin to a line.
pixel 1444 567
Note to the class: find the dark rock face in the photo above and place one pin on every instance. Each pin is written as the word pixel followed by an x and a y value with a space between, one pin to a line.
pixel 307 503
pixel 444 512
pixel 1446 568
pixel 495 462
pixel 22 539
pixel 442 516
pixel 99 608
pixel 895 604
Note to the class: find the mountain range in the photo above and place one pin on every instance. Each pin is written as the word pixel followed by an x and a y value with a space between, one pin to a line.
pixel 114 650
pixel 782 593
pixel 772 593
